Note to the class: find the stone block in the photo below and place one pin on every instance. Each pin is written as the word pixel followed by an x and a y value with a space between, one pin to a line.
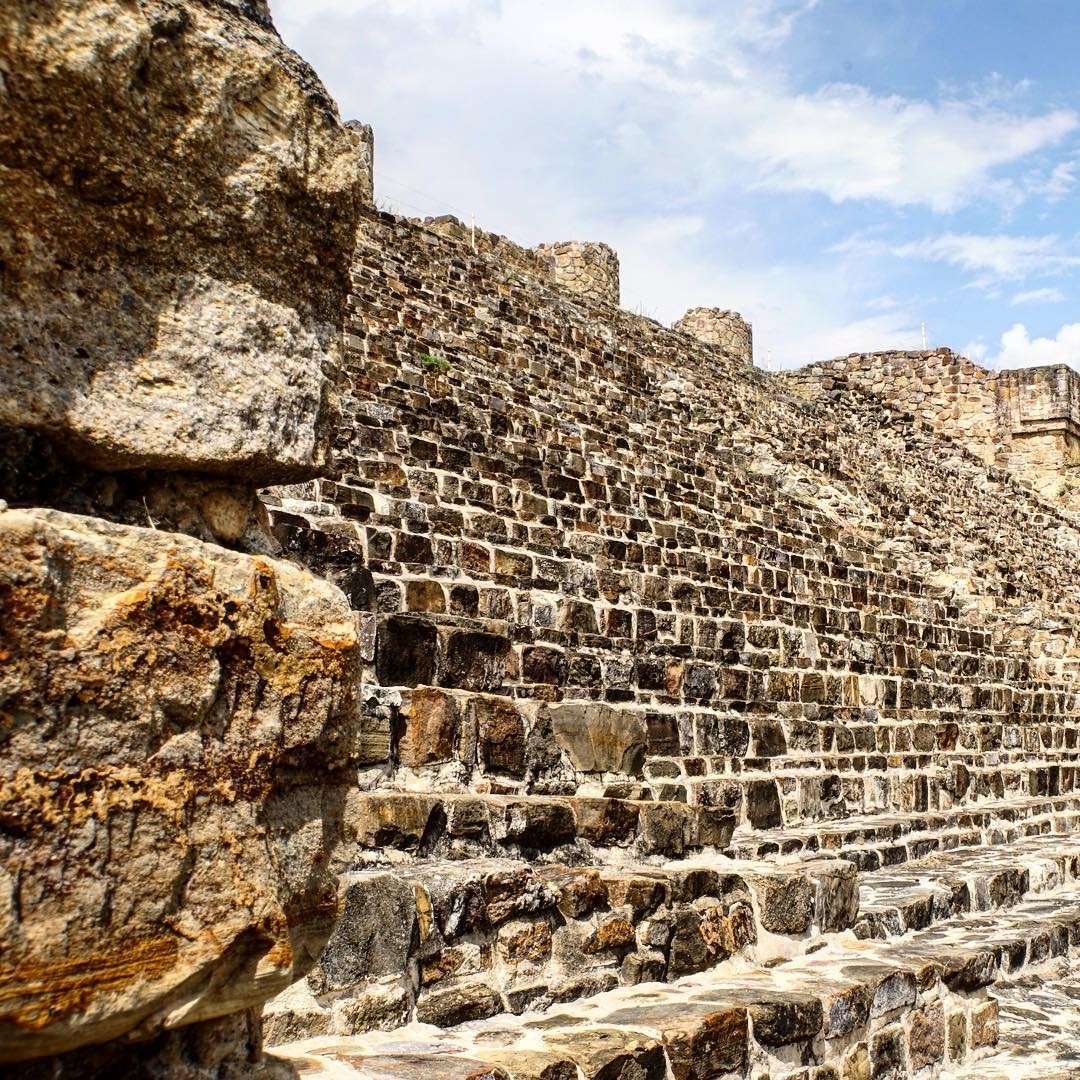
pixel 373 933
pixel 500 735
pixel 181 732
pixel 458 1004
pixel 600 738
pixel 473 660
pixel 785 900
pixel 405 651
pixel 429 722
pixel 701 1041
pixel 612 1053
pixel 148 322
pixel 578 890
pixel 983 1025
pixel 926 1038
pixel 763 804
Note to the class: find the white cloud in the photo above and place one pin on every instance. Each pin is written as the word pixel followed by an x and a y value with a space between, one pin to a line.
pixel 669 88
pixel 1057 183
pixel 848 143
pixel 663 127
pixel 1039 296
pixel 992 257
pixel 1020 350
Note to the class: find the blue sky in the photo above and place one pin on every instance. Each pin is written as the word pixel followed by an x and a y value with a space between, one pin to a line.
pixel 840 171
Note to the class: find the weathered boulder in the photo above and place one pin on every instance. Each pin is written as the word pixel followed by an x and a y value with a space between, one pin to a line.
pixel 178 202
pixel 176 722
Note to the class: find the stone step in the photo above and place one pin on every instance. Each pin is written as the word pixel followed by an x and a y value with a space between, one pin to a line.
pixel 917 1005
pixel 577 830
pixel 441 942
pixel 1036 1025
pixel 429 738
pixel 887 784
pixel 799 762
pixel 946 884
pixel 389 826
pixel 873 841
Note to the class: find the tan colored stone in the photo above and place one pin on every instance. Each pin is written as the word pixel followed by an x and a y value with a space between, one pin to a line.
pixel 524 942
pixel 926 1037
pixel 431 719
pixel 610 934
pixel 179 719
pixel 155 159
pixel 599 738
pixel 983 1025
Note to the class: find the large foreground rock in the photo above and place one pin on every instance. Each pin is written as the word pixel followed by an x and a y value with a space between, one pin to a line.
pixel 178 202
pixel 175 723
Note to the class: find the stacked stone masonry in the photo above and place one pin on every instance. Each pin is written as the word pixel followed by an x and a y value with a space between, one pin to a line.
pixel 666 666
pixel 727 330
pixel 1025 420
pixel 589 271
pixel 582 703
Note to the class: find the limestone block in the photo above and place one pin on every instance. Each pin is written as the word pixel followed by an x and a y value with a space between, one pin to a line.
pixel 373 934
pixel 727 330
pixel 599 738
pixel 178 721
pixel 590 271
pixel 430 722
pixel 156 159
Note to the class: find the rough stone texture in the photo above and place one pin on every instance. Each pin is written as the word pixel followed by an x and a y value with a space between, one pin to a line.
pixel 1026 420
pixel 708 617
pixel 156 157
pixel 177 722
pixel 227 1047
pixel 692 738
pixel 589 271
pixel 757 579
pixel 727 330
pixel 599 738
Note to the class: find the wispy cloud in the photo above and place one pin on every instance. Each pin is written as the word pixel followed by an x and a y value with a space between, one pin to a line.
pixel 687 136
pixel 1039 296
pixel 701 86
pixel 993 258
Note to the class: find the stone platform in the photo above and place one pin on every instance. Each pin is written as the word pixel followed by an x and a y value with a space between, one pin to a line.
pixel 812 982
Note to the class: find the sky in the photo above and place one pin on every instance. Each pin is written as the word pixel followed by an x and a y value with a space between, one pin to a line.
pixel 842 172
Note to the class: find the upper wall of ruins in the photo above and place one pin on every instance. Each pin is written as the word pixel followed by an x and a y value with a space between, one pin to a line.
pixel 1026 420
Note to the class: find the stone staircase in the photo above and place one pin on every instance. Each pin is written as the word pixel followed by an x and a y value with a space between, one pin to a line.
pixel 840 1007
pixel 559 890
pixel 525 936
pixel 697 742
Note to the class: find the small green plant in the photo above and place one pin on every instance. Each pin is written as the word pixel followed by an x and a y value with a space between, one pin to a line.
pixel 438 364
pixel 697 414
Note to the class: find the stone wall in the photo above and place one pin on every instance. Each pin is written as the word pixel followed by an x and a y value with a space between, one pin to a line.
pixel 570 658
pixel 627 601
pixel 1027 421
pixel 178 714
pixel 365 159
pixel 726 330
pixel 1040 412
pixel 589 271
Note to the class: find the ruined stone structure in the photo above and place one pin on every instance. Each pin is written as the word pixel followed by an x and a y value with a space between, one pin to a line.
pixel 608 708
pixel 590 271
pixel 178 708
pixel 1027 420
pixel 727 330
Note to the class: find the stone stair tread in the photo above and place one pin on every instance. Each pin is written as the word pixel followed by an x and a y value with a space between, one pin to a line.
pixel 1040 858
pixel 1037 1025
pixel 848 991
pixel 900 824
